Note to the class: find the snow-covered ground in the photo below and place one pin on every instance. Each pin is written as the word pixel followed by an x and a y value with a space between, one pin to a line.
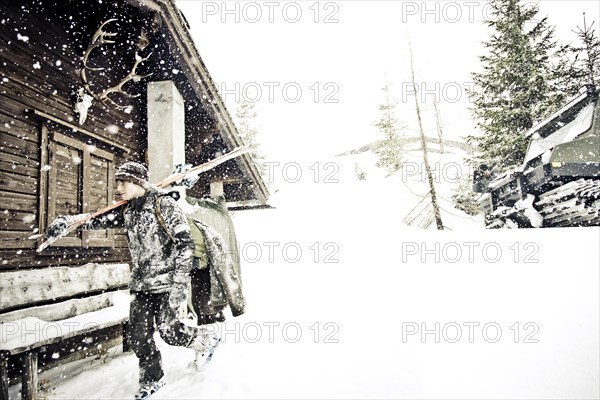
pixel 347 301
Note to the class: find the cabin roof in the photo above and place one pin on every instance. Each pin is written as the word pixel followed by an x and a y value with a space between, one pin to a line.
pixel 203 84
pixel 203 101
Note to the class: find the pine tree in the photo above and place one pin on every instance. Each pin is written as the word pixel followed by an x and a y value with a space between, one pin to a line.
pixel 579 65
pixel 389 149
pixel 465 199
pixel 359 173
pixel 246 120
pixel 515 88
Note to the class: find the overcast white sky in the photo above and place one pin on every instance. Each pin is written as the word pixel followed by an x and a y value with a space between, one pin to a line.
pixel 315 69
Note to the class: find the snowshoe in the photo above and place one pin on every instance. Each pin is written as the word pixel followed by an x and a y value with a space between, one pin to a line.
pixel 205 352
pixel 149 389
pixel 214 341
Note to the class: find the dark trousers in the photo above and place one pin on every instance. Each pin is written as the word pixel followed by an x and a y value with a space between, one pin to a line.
pixel 146 310
pixel 201 286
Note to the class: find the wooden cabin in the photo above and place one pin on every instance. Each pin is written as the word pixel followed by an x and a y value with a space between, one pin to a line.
pixel 86 85
pixel 152 101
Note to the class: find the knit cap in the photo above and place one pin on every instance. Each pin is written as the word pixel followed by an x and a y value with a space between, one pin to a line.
pixel 132 172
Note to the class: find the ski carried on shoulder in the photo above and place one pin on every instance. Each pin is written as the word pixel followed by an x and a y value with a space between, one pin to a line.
pixel 190 173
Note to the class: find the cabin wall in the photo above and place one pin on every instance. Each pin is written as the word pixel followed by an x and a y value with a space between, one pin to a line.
pixel 49 164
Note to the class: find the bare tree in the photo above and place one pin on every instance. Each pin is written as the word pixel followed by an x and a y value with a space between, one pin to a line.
pixel 438 124
pixel 434 203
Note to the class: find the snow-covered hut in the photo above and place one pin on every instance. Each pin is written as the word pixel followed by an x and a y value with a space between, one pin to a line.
pixel 86 85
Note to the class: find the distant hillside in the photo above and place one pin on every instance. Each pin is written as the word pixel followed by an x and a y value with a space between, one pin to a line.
pixel 415 139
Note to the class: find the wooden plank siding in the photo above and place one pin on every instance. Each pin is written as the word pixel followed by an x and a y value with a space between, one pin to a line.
pixel 24 287
pixel 42 73
pixel 42 44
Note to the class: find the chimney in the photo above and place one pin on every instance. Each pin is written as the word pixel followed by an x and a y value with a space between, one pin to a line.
pixel 166 130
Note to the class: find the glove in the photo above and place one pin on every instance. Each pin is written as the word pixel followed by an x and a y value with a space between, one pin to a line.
pixel 175 311
pixel 187 182
pixel 178 295
pixel 56 228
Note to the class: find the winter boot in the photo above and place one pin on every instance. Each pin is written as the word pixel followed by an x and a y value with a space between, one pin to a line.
pixel 204 343
pixel 148 389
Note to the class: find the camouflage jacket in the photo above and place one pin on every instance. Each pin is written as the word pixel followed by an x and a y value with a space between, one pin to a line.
pixel 157 261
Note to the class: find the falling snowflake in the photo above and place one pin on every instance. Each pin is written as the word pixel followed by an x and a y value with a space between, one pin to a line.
pixel 37 65
pixel 129 125
pixel 22 37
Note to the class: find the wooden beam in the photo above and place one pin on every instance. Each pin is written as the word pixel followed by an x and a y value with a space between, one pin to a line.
pixel 75 128
pixel 87 329
pixel 23 287
pixel 3 375
pixel 216 189
pixel 43 183
pixel 126 344
pixel 29 376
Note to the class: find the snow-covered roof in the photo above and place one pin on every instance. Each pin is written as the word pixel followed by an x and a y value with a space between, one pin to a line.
pixel 566 133
pixel 202 83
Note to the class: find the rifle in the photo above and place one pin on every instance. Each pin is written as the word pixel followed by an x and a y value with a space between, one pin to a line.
pixel 197 170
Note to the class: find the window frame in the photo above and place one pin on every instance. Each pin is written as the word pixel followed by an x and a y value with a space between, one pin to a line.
pixel 51 138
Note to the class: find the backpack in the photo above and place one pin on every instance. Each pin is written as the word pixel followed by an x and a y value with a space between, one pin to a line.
pixel 220 281
pixel 200 255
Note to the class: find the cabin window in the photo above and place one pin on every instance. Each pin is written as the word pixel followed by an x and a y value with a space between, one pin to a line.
pixel 78 180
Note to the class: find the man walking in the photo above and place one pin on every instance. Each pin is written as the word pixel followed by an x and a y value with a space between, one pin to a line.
pixel 161 247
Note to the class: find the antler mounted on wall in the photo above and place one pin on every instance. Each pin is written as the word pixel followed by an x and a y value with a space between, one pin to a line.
pixel 85 94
